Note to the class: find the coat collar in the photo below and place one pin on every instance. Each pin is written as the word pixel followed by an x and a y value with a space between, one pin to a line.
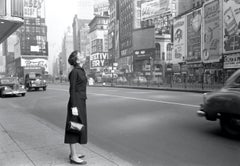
pixel 78 67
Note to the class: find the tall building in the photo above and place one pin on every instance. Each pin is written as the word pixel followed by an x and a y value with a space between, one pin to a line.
pixel 98 33
pixel 80 34
pixel 33 45
pixel 67 48
pixel 101 8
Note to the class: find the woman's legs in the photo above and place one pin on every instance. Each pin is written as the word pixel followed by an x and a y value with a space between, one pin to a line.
pixel 74 156
pixel 73 150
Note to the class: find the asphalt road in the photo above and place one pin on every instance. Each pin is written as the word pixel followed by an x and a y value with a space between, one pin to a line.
pixel 144 127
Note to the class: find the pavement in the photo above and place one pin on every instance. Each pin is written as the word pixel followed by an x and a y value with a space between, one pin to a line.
pixel 26 140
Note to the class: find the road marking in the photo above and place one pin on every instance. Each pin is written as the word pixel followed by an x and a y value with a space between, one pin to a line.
pixel 138 99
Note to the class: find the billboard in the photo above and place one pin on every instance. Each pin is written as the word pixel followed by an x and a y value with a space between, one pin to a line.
pixel 34 9
pixel 211 32
pixel 179 39
pixel 194 26
pixel 165 6
pixel 231 26
pixel 98 60
pixel 150 9
pixel 35 63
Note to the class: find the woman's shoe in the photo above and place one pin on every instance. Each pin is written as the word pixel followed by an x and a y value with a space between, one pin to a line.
pixel 79 156
pixel 82 162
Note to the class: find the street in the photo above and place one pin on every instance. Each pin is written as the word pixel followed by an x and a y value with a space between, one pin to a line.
pixel 144 127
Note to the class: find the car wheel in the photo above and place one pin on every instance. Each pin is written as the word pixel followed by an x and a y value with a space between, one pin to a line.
pixel 23 94
pixel 44 88
pixel 230 125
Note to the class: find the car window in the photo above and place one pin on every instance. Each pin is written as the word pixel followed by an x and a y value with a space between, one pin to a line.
pixel 237 80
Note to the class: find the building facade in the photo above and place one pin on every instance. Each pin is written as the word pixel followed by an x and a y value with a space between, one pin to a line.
pixel 98 34
pixel 11 18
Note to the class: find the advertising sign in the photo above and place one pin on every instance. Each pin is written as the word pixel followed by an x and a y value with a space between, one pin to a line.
pixel 232 61
pixel 194 23
pixel 35 62
pixel 231 26
pixel 98 59
pixel 211 32
pixel 33 8
pixel 150 9
pixel 165 6
pixel 179 43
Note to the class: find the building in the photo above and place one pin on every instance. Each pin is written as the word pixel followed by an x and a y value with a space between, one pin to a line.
pixel 101 8
pixel 31 46
pixel 98 34
pixel 80 35
pixel 67 48
pixel 11 18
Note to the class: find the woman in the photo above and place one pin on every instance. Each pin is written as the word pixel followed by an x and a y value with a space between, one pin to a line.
pixel 76 105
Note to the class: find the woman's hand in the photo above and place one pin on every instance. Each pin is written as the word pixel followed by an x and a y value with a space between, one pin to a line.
pixel 75 111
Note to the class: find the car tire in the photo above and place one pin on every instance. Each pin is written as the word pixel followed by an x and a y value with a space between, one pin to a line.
pixel 230 125
pixel 23 94
pixel 44 88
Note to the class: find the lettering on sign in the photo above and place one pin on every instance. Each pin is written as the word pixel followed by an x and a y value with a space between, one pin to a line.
pixel 98 59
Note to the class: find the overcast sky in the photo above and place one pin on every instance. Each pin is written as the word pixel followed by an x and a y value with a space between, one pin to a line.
pixel 59 15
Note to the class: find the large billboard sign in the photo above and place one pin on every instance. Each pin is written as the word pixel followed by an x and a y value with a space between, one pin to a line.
pixel 179 37
pixel 150 9
pixel 211 32
pixel 165 6
pixel 231 26
pixel 35 63
pixel 98 60
pixel 194 26
pixel 34 9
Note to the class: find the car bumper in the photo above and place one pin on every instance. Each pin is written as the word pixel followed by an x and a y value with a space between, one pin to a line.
pixel 201 112
pixel 13 92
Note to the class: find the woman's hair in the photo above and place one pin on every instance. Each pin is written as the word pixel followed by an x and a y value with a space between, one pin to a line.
pixel 72 59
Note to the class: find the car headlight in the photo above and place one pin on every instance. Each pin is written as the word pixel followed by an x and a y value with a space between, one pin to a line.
pixel 44 81
pixel 23 86
pixel 6 88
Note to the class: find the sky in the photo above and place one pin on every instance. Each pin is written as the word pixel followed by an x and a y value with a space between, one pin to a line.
pixel 59 15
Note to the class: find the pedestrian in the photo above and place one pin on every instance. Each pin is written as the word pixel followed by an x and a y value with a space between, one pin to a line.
pixel 76 108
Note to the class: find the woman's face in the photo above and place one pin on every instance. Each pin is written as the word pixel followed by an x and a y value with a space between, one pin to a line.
pixel 80 59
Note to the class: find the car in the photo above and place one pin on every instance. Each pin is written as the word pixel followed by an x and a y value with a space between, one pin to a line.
pixel 35 81
pixel 121 79
pixel 140 79
pixel 10 86
pixel 224 105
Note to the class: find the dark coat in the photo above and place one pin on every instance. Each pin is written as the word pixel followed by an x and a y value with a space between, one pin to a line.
pixel 77 90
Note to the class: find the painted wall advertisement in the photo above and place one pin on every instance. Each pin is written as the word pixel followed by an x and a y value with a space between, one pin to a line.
pixel 194 24
pixel 211 32
pixel 231 26
pixel 98 60
pixel 179 48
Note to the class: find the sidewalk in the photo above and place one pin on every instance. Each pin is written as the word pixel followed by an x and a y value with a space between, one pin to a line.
pixel 26 140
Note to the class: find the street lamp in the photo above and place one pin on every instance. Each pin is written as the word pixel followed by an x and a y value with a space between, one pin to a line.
pixel 113 45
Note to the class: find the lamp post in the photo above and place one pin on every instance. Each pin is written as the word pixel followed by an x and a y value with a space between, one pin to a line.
pixel 113 45
pixel 60 69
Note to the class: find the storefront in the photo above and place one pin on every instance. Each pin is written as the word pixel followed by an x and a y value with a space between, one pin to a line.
pixel 231 64
pixel 213 73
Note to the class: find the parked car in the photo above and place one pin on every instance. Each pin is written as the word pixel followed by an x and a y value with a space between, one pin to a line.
pixel 121 79
pixel 140 79
pixel 224 105
pixel 11 86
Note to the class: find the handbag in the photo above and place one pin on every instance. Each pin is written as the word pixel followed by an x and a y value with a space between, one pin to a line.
pixel 75 127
